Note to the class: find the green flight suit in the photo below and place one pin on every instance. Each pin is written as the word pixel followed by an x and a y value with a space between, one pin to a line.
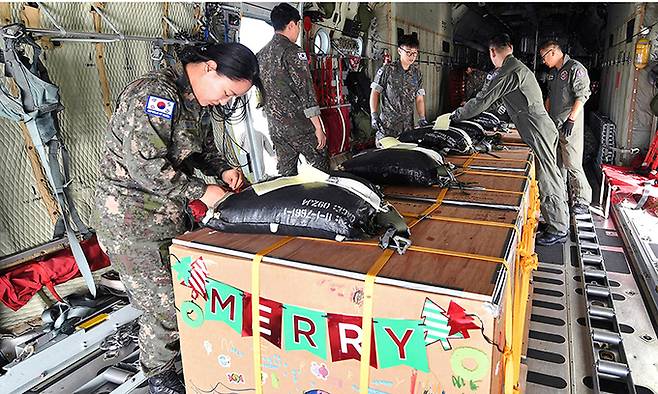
pixel 566 86
pixel 519 90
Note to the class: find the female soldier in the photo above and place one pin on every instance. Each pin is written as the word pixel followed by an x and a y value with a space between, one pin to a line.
pixel 154 141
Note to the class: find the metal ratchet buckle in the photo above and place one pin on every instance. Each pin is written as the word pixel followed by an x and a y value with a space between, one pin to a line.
pixel 390 240
pixel 13 31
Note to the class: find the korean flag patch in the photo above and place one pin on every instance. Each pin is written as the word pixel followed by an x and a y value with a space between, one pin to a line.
pixel 159 106
pixel 302 56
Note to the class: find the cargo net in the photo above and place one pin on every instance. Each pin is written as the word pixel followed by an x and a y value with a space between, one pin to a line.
pixel 24 220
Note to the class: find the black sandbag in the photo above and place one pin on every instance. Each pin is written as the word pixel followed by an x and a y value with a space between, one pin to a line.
pixel 398 167
pixel 316 209
pixel 487 120
pixel 453 140
pixel 474 130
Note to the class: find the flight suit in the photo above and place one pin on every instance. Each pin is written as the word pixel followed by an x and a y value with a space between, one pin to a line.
pixel 154 141
pixel 520 92
pixel 398 89
pixel 289 104
pixel 565 86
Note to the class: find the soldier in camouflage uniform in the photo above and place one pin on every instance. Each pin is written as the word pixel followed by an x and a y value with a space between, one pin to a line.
pixel 474 82
pixel 477 80
pixel 154 142
pixel 400 86
pixel 292 111
pixel 568 90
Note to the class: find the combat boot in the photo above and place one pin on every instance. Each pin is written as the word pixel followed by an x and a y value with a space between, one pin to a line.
pixel 166 382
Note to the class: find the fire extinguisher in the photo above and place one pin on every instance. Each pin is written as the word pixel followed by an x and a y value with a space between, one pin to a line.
pixel 642 50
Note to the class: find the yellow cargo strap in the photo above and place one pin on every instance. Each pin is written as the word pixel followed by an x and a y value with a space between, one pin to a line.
pixel 366 320
pixel 515 304
pixel 470 159
pixel 494 174
pixel 255 310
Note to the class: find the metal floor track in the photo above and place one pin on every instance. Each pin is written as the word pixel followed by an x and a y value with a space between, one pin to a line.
pixel 559 356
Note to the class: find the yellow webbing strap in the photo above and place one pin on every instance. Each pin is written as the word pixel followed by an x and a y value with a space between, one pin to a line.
pixel 497 191
pixel 431 208
pixel 470 159
pixel 484 189
pixel 255 311
pixel 493 158
pixel 507 355
pixel 366 320
pixel 368 291
pixel 526 262
pixel 494 174
pixel 475 156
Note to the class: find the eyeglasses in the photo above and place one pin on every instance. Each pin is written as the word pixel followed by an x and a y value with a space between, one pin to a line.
pixel 409 53
pixel 543 57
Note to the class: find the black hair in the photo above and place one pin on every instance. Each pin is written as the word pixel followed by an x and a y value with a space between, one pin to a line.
pixel 500 41
pixel 283 14
pixel 549 43
pixel 409 40
pixel 234 61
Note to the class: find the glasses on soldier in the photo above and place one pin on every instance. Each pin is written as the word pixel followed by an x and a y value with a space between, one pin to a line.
pixel 409 53
pixel 543 57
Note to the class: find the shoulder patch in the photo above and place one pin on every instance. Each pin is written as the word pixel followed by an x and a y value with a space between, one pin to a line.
pixel 380 71
pixel 564 75
pixel 492 75
pixel 302 56
pixel 580 73
pixel 159 106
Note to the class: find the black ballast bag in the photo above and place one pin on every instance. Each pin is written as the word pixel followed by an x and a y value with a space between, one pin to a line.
pixel 488 121
pixel 398 167
pixel 314 209
pixel 453 140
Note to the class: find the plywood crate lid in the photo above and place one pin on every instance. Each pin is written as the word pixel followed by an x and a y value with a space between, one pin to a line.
pixel 431 265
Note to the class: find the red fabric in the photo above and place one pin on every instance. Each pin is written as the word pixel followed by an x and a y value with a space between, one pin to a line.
pixel 198 209
pixel 336 141
pixel 628 185
pixel 19 284
pixel 626 182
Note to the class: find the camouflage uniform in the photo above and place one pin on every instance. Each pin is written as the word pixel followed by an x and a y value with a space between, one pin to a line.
pixel 565 86
pixel 474 83
pixel 290 102
pixel 398 89
pixel 479 80
pixel 146 176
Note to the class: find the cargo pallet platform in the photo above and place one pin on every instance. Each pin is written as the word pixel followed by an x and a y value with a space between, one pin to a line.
pixel 543 346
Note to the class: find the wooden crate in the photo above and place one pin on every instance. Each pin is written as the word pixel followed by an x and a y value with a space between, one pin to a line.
pixel 440 315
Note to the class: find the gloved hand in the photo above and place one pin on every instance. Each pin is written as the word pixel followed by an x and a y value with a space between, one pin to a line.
pixel 422 122
pixel 375 122
pixel 567 127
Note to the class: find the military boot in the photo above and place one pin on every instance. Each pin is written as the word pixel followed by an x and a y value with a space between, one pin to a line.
pixel 166 382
